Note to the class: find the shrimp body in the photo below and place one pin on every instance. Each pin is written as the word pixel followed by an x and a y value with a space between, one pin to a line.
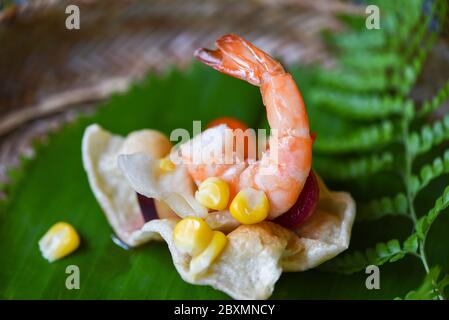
pixel 282 169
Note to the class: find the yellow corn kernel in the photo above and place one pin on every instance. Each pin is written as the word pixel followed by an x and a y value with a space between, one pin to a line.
pixel 201 262
pixel 213 193
pixel 192 235
pixel 250 206
pixel 59 241
pixel 166 165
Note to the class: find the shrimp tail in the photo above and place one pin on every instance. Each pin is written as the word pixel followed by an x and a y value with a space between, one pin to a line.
pixel 240 59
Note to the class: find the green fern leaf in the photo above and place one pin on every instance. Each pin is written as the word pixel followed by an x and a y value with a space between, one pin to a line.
pixel 433 104
pixel 405 78
pixel 424 223
pixel 352 262
pixel 429 136
pixel 411 244
pixel 357 106
pixel 431 287
pixel 342 169
pixel 353 80
pixel 362 139
pixel 377 209
pixel 414 33
pixel 361 40
pixel 364 60
pixel 421 31
pixel 429 172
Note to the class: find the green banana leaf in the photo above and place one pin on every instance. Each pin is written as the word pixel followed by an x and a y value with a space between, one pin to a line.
pixel 53 187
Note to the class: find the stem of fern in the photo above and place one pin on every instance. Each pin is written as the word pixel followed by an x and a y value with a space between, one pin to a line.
pixel 411 197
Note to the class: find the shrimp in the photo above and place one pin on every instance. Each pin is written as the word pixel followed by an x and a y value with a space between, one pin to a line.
pixel 284 166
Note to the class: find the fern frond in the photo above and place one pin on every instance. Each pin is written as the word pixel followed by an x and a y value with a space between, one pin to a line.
pixel 424 223
pixel 433 104
pixel 429 172
pixel 361 40
pixel 422 28
pixel 342 169
pixel 353 80
pixel 352 262
pixel 404 78
pixel 376 209
pixel 429 136
pixel 366 61
pixel 362 139
pixel 408 16
pixel 431 287
pixel 409 31
pixel 357 106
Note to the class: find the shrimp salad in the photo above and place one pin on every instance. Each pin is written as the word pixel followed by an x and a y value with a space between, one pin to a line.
pixel 232 219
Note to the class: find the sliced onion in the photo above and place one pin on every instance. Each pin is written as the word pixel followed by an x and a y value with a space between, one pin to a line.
pixel 305 204
pixel 147 207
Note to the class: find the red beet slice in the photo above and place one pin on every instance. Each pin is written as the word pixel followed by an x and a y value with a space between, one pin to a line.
pixel 305 204
pixel 147 207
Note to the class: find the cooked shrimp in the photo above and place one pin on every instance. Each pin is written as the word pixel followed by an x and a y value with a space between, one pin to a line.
pixel 283 168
